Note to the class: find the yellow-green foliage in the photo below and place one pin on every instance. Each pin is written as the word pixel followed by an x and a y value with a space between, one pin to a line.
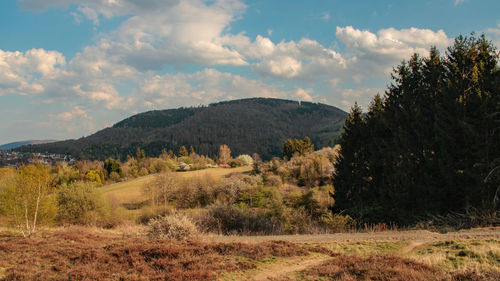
pixel 6 183
pixel 80 203
pixel 95 176
pixel 337 222
pixel 64 174
pixel 27 197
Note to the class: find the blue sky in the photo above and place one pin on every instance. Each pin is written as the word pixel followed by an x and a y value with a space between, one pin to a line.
pixel 69 68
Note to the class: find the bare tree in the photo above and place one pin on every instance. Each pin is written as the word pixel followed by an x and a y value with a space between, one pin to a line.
pixel 224 154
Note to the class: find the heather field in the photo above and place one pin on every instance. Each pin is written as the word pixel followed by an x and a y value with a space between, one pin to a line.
pixel 84 253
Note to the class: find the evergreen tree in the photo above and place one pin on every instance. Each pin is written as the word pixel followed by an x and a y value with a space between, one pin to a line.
pixel 428 145
pixel 183 151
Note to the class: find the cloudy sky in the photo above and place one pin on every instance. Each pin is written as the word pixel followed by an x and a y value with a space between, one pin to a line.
pixel 69 68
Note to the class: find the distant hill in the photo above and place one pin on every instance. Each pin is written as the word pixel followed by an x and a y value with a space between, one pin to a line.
pixel 17 144
pixel 256 125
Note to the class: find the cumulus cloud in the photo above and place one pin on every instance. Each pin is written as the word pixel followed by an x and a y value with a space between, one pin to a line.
pixel 70 115
pixel 160 33
pixel 378 53
pixel 22 73
pixel 306 59
pixel 203 87
pixel 494 34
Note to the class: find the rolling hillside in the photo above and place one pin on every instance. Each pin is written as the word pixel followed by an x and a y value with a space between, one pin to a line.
pixel 256 125
pixel 17 144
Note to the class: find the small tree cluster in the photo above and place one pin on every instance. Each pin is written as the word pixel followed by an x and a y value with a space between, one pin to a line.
pixel 293 147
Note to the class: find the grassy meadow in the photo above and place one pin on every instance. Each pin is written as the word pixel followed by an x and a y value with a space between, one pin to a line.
pixel 130 192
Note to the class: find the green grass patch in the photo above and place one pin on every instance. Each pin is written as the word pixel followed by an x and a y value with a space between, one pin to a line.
pixel 460 254
pixel 367 247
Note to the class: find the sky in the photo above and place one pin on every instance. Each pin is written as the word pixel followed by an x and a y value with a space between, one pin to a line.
pixel 69 68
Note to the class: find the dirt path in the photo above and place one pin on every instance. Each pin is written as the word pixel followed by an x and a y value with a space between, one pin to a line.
pixel 285 267
pixel 417 236
pixel 410 247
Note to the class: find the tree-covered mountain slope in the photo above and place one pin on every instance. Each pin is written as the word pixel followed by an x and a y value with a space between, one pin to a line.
pixel 255 125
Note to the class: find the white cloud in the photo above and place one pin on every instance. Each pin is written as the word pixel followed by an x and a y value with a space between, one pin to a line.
pixel 458 2
pixel 362 95
pixel 203 87
pixel 160 33
pixel 494 34
pixel 90 14
pixel 306 59
pixel 22 73
pixel 70 115
pixel 304 94
pixel 325 16
pixel 373 54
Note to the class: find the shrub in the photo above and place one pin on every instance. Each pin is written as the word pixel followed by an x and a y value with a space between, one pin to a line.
pixel 95 176
pixel 338 222
pixel 185 159
pixel 114 176
pixel 297 221
pixel 228 219
pixel 245 159
pixel 143 172
pixel 273 180
pixel 149 213
pixel 177 227
pixel 236 163
pixel 79 203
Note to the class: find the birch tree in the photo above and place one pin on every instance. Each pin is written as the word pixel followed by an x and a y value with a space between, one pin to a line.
pixel 28 198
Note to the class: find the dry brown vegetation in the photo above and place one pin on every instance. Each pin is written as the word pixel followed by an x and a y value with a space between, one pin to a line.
pixel 81 255
pixel 386 267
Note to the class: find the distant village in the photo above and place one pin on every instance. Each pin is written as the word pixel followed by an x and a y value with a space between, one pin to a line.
pixel 9 158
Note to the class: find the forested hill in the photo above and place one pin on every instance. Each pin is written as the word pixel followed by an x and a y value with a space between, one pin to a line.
pixel 256 125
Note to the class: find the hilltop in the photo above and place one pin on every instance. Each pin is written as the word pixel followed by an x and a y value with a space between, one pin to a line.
pixel 16 144
pixel 255 125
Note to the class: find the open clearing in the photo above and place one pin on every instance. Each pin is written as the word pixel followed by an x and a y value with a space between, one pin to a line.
pixel 82 253
pixel 131 191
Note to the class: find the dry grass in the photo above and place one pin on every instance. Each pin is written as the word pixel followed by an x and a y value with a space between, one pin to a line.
pixel 482 255
pixel 83 255
pixel 386 267
pixel 131 191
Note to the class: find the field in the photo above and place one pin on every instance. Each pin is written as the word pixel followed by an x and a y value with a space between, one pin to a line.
pixel 130 192
pixel 82 253
pixel 125 252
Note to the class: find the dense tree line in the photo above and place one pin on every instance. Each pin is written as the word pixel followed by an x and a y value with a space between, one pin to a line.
pixel 428 145
pixel 248 126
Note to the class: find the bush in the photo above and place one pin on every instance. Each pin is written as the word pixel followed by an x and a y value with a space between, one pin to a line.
pixel 185 159
pixel 228 219
pixel 338 222
pixel 245 159
pixel 149 213
pixel 143 172
pixel 273 180
pixel 114 176
pixel 177 227
pixel 80 203
pixel 95 176
pixel 236 163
